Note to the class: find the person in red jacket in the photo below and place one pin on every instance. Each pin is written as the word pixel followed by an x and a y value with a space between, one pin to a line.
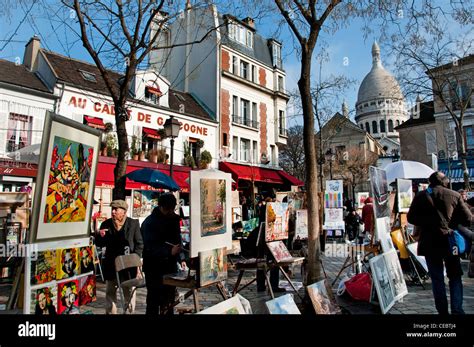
pixel 368 219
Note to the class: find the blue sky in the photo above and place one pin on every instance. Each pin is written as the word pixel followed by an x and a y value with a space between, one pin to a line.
pixel 346 45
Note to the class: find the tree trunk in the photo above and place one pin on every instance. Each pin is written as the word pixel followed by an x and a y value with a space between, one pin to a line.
pixel 314 267
pixel 121 166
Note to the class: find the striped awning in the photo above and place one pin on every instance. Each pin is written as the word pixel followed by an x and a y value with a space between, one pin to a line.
pixel 457 175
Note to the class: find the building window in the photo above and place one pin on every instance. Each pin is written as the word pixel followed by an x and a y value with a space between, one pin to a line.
pixel 194 149
pixel 430 137
pixel 361 126
pixel 235 108
pixel 254 115
pixel 469 136
pixel 281 123
pixel 398 122
pixel 281 86
pixel 382 126
pixel 224 140
pixel 150 139
pixel 255 151
pixel 459 96
pixel 240 34
pixel 390 125
pixel 367 127
pixel 245 112
pixel 273 155
pixel 19 130
pixel 244 150
pixel 254 73
pixel 88 76
pixel 249 41
pixel 276 55
pixel 152 95
pixel 244 69
pixel 374 127
pixel 235 147
pixel 235 65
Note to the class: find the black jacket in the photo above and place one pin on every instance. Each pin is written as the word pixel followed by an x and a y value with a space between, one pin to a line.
pixel 433 231
pixel 157 230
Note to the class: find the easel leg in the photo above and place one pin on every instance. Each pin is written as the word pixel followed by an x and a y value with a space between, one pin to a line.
pixel 196 299
pixel 267 281
pixel 416 271
pixel 289 281
pixel 236 287
pixel 222 291
pixel 344 266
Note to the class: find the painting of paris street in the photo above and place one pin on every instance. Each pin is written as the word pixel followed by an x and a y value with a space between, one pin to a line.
pixel 213 199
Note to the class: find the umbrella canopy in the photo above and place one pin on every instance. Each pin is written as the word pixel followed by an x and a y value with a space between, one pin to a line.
pixel 28 154
pixel 407 169
pixel 154 178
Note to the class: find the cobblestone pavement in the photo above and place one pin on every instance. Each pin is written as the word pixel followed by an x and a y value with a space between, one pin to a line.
pixel 418 300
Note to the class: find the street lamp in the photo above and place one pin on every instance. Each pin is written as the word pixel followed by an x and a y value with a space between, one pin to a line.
pixel 329 157
pixel 172 126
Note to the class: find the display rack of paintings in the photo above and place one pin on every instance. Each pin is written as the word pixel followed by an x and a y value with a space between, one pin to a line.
pixel 276 225
pixel 284 304
pixel 229 306
pixel 212 266
pixel 322 298
pixel 65 182
pixel 211 215
pixel 404 195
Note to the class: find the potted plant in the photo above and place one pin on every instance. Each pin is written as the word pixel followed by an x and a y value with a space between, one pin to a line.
pixel 111 142
pixel 200 143
pixel 134 148
pixel 205 159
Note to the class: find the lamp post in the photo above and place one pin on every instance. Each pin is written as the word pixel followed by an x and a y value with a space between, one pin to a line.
pixel 172 126
pixel 329 157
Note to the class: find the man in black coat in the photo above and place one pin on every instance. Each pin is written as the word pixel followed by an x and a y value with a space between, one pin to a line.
pixel 119 235
pixel 436 212
pixel 162 238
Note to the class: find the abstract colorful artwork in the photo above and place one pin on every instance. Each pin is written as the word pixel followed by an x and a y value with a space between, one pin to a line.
pixel 43 269
pixel 86 260
pixel 212 266
pixel 68 297
pixel 404 195
pixel 87 289
pixel 322 298
pixel 44 300
pixel 69 178
pixel 276 226
pixel 283 305
pixel 333 194
pixel 213 199
pixel 68 264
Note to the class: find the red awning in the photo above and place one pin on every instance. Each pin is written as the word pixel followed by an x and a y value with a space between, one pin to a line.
pixel 151 133
pixel 293 180
pixel 95 122
pixel 30 171
pixel 154 90
pixel 180 178
pixel 251 173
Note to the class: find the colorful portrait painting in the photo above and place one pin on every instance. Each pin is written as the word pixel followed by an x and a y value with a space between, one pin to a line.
pixel 43 269
pixel 87 289
pixel 69 179
pixel 44 300
pixel 86 260
pixel 213 201
pixel 322 298
pixel 68 299
pixel 68 265
pixel 212 266
pixel 276 226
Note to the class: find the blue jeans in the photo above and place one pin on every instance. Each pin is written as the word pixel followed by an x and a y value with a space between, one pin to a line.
pixel 454 272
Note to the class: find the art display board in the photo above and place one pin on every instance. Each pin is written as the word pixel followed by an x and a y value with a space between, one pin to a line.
pixel 276 224
pixel 48 265
pixel 236 214
pixel 212 266
pixel 404 195
pixel 143 202
pixel 333 194
pixel 361 196
pixel 301 225
pixel 381 281
pixel 322 298
pixel 382 233
pixel 284 304
pixel 333 219
pixel 64 192
pixel 395 275
pixel 229 306
pixel 379 192
pixel 211 215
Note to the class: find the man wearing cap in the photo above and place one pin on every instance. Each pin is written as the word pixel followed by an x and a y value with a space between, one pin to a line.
pixel 118 234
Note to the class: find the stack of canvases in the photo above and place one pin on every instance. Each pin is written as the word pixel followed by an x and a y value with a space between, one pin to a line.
pixel 387 273
pixel 62 281
pixel 333 209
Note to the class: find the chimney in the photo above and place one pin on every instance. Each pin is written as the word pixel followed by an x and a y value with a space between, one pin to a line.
pixel 345 109
pixel 249 21
pixel 417 109
pixel 31 53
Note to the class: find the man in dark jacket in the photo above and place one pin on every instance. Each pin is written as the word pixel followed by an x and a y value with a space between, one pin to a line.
pixel 435 212
pixel 162 238
pixel 119 235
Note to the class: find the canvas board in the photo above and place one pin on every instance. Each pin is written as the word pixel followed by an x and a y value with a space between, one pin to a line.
pixel 322 298
pixel 229 306
pixel 284 304
pixel 380 192
pixel 404 195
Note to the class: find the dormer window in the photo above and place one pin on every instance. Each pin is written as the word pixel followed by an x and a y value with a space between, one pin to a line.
pixel 88 76
pixel 153 94
pixel 276 54
pixel 240 34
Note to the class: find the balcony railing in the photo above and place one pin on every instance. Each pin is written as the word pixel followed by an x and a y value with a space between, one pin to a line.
pixel 245 121
pixel 283 131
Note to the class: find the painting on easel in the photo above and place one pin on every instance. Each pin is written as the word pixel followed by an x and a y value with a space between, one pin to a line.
pixel 380 193
pixel 212 266
pixel 276 226
pixel 404 195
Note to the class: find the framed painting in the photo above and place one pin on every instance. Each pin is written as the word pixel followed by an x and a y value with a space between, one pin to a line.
pixel 229 306
pixel 211 215
pixel 44 300
pixel 283 305
pixel 333 219
pixel 383 285
pixel 212 266
pixel 65 183
pixel 404 195
pixel 68 297
pixel 413 249
pixel 68 263
pixel 322 298
pixel 144 201
pixel 86 260
pixel 333 194
pixel 395 275
pixel 380 193
pixel 383 229
pixel 276 224
pixel 301 224
pixel 43 267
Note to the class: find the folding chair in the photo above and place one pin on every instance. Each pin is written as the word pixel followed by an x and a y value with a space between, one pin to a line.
pixel 125 262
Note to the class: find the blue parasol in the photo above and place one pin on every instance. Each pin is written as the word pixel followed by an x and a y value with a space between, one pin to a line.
pixel 154 178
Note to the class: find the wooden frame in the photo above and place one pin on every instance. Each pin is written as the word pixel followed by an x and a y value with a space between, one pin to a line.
pixel 66 179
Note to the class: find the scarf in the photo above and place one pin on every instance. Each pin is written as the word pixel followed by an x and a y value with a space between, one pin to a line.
pixel 119 224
